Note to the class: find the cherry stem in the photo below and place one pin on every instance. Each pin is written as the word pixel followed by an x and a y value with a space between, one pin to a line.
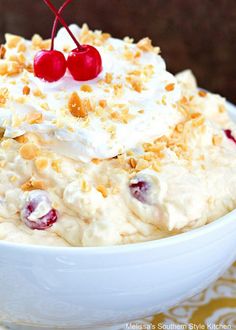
pixel 56 22
pixel 58 16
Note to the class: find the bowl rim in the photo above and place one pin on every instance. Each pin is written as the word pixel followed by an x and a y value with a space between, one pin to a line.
pixel 132 247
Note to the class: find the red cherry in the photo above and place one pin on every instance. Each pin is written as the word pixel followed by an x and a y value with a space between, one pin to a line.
pixel 139 190
pixel 84 64
pixel 44 222
pixel 49 65
pixel 229 135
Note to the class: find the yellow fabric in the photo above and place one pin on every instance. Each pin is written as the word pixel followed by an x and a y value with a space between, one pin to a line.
pixel 215 306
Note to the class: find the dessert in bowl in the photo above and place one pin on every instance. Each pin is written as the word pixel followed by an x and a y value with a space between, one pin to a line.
pixel 90 166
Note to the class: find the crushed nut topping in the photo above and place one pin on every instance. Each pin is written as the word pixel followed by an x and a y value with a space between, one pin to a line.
pixel 2 52
pixel 4 93
pixel 132 162
pixel 217 140
pixel 21 139
pixel 76 106
pixel 29 151
pixel 26 90
pixel 202 93
pixel 170 87
pixel 32 184
pixel 41 164
pixel 12 40
pixel 108 78
pixel 103 190
pixel 56 165
pixel 86 88
pixel 145 45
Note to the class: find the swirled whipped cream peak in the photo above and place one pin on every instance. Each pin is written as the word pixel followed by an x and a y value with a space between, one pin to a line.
pixel 134 155
pixel 133 99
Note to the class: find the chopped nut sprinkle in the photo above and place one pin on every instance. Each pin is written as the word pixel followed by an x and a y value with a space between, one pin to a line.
pixel 2 52
pixel 103 190
pixel 10 68
pixel 39 93
pixel 108 78
pixel 41 164
pixel 76 107
pixel 32 184
pixel 145 45
pixel 102 103
pixel 86 88
pixel 202 93
pixel 34 118
pixel 56 165
pixel 12 40
pixel 216 140
pixel 21 139
pixel 29 151
pixel 3 95
pixel 26 90
pixel 170 87
pixel 85 187
pixel 132 162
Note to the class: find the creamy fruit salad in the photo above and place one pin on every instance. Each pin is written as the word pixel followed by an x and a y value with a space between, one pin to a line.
pixel 135 154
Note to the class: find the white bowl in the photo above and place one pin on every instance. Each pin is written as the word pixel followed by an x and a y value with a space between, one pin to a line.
pixel 80 288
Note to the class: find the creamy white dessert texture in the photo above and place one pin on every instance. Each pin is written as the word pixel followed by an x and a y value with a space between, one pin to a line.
pixel 136 154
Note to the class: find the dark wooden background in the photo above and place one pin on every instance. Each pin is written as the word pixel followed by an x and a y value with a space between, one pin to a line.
pixel 197 34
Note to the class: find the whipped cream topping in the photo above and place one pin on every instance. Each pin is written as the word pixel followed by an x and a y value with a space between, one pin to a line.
pixel 131 101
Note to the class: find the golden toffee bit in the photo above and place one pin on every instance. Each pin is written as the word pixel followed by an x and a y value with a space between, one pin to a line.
pixel 29 151
pixel 76 107
pixel 26 90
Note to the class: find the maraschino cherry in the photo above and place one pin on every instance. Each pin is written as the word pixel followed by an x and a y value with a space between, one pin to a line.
pixel 38 213
pixel 139 190
pixel 50 65
pixel 84 62
pixel 229 135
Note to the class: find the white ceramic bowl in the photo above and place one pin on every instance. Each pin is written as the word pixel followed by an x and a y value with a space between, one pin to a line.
pixel 80 288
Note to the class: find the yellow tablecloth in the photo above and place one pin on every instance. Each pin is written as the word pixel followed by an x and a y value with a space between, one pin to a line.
pixel 215 307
